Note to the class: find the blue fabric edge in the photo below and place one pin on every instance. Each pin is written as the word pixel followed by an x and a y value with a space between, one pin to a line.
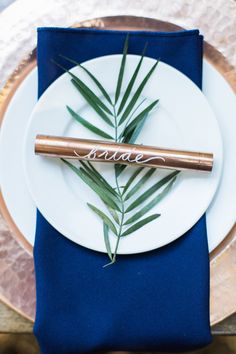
pixel 106 31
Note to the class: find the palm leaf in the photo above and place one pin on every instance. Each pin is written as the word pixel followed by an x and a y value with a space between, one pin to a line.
pixel 104 218
pixel 119 169
pixel 89 93
pixel 122 69
pixel 137 94
pixel 140 224
pixel 139 118
pixel 151 204
pixel 98 178
pixel 129 119
pixel 132 178
pixel 99 191
pixel 106 240
pixel 101 186
pixel 88 125
pixel 93 98
pixel 131 137
pixel 92 103
pixel 150 191
pixel 140 183
pixel 113 214
pixel 131 83
pixel 102 179
pixel 95 80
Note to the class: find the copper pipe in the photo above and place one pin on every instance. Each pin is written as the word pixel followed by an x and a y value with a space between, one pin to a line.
pixel 128 154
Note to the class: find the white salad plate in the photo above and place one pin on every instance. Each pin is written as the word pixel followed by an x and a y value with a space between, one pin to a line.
pixel 182 120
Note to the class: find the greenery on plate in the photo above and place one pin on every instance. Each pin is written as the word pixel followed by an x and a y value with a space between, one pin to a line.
pixel 126 113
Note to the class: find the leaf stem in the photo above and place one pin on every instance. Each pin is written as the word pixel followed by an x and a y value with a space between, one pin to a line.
pixel 120 196
pixel 121 220
pixel 119 192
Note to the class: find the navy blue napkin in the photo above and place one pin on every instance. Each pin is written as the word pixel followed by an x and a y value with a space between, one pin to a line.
pixel 155 301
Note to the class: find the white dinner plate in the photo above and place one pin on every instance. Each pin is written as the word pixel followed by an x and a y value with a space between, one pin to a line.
pixel 18 199
pixel 183 120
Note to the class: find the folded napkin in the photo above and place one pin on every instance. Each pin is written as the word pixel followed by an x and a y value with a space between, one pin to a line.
pixel 157 300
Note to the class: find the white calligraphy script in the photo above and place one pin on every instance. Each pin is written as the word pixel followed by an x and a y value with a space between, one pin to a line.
pixel 95 153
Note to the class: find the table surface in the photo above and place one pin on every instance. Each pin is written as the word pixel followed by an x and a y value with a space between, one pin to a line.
pixel 12 322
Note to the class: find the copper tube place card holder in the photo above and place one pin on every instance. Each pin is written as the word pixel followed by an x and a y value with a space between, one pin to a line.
pixel 128 154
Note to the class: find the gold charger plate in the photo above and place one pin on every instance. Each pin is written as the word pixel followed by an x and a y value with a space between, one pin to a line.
pixel 17 286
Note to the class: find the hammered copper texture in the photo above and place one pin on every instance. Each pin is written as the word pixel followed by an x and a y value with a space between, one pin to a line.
pixel 223 281
pixel 17 274
pixel 216 19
